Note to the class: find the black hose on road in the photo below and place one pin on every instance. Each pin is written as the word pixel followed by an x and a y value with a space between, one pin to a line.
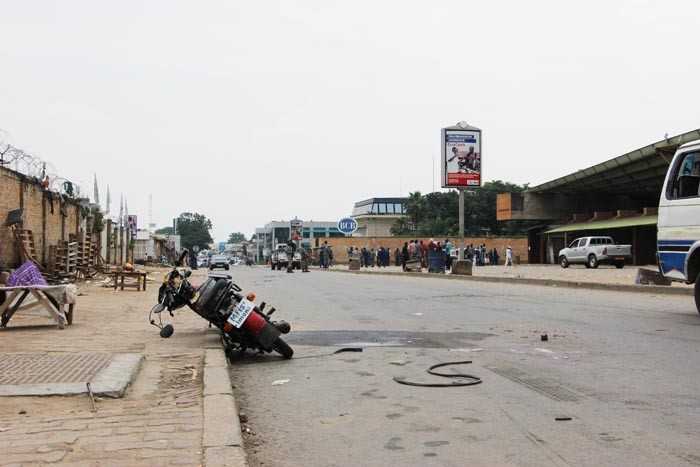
pixel 466 380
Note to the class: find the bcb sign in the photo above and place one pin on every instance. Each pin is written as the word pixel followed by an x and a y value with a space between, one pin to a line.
pixel 347 225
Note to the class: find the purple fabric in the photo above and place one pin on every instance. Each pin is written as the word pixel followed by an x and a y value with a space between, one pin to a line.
pixel 26 274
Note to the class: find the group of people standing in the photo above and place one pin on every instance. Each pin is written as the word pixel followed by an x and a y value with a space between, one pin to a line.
pixel 419 250
pixel 369 257
pixel 480 256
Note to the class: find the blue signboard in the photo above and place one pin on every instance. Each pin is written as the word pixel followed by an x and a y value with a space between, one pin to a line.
pixel 347 225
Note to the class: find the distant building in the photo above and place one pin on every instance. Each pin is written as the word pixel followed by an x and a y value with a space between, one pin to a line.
pixel 376 216
pixel 149 246
pixel 278 232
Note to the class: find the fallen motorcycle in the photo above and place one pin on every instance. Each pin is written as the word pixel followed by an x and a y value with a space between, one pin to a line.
pixel 219 300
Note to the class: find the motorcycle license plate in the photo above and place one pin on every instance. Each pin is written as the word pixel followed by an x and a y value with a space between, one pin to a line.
pixel 241 313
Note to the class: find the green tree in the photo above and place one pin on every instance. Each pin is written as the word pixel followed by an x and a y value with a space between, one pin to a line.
pixel 166 231
pixel 236 237
pixel 194 229
pixel 437 214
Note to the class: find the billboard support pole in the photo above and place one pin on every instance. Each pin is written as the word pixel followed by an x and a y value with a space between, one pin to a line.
pixel 460 247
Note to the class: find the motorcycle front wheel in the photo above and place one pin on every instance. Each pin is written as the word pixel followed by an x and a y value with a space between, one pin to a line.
pixel 282 348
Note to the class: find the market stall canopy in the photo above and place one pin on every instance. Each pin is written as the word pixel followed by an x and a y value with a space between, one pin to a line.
pixel 606 224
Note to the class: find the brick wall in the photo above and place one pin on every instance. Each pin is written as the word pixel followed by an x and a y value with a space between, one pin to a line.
pixel 9 199
pixel 341 244
pixel 48 227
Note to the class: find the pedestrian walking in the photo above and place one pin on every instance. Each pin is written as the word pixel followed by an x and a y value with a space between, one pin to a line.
pixel 509 257
pixel 405 255
pixel 323 255
pixel 397 257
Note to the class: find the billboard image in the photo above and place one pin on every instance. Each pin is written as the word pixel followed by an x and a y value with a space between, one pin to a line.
pixel 461 158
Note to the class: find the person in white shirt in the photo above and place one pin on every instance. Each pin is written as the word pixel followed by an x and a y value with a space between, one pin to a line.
pixel 509 256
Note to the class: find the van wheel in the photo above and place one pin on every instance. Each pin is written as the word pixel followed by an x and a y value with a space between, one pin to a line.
pixel 697 293
pixel 592 261
pixel 563 262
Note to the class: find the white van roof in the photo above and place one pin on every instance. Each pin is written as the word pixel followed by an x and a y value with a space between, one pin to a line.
pixel 689 144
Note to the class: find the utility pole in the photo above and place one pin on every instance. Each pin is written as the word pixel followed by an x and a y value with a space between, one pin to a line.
pixel 460 247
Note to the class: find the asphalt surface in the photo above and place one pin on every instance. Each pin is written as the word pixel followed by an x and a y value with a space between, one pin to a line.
pixel 623 366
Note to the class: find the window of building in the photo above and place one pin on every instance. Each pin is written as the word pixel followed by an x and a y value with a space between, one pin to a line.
pixel 359 210
pixel 382 208
pixel 686 177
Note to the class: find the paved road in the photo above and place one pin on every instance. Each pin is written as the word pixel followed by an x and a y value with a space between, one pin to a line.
pixel 623 366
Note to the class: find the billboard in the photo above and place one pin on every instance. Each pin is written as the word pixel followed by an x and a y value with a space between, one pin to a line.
pixel 461 157
pixel 296 229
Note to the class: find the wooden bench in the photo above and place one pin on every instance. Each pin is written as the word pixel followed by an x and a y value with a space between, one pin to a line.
pixel 139 275
pixel 15 297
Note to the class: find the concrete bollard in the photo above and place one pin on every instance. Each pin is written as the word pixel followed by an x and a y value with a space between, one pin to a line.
pixel 462 267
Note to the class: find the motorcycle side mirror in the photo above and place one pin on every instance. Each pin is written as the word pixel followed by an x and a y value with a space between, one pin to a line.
pixel 188 273
pixel 167 331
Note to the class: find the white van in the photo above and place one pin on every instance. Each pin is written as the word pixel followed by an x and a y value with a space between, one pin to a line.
pixel 678 238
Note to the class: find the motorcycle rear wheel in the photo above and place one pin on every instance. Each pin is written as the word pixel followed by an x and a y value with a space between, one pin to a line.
pixel 282 348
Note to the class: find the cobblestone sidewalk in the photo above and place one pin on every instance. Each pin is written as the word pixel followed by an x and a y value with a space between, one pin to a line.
pixel 160 419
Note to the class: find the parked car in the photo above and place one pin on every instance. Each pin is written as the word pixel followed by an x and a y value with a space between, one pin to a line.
pixel 593 251
pixel 218 261
pixel 296 260
pixel 279 259
pixel 678 237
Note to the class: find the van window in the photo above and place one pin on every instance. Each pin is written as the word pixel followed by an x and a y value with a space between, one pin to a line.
pixel 685 180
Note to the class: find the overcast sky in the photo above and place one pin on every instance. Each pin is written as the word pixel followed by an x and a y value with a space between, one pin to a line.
pixel 249 111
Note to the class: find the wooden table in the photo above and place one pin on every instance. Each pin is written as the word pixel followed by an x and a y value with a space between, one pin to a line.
pixel 139 275
pixel 62 313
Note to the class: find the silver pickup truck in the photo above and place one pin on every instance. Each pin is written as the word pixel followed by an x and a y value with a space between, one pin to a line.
pixel 593 251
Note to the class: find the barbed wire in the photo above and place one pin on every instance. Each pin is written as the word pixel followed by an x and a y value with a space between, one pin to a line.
pixel 33 166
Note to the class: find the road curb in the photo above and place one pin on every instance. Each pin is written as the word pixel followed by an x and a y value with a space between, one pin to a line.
pixel 651 289
pixel 221 440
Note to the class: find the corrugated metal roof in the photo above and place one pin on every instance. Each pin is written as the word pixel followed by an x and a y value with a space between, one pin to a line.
pixel 641 170
pixel 606 224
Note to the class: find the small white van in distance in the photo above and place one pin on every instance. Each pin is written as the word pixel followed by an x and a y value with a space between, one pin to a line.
pixel 678 237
